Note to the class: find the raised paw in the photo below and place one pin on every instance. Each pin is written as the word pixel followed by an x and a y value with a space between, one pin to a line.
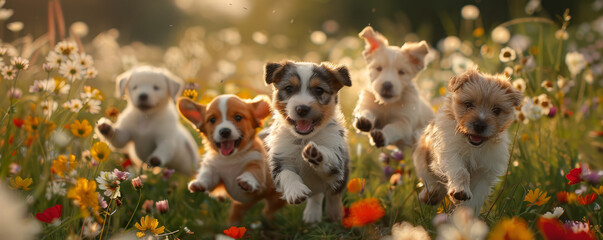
pixel 363 124
pixel 155 162
pixel 247 182
pixel 104 128
pixel 312 154
pixel 296 193
pixel 377 138
pixel 196 186
pixel 460 195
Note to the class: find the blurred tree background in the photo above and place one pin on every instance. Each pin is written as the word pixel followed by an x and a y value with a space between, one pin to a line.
pixel 162 22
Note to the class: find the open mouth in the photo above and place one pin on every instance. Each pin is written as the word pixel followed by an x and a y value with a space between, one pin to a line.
pixel 227 147
pixel 144 107
pixel 304 126
pixel 475 140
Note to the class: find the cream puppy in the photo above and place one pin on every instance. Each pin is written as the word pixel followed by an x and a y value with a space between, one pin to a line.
pixel 150 121
pixel 308 145
pixel 390 109
pixel 464 151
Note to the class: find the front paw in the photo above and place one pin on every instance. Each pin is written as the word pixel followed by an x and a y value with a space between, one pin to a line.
pixel 377 138
pixel 247 182
pixel 458 195
pixel 196 186
pixel 154 161
pixel 312 155
pixel 363 124
pixel 105 129
pixel 296 193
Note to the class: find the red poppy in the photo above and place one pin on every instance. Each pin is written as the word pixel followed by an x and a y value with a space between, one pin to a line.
pixel 126 163
pixel 574 176
pixel 552 229
pixel 363 212
pixel 18 122
pixel 588 199
pixel 235 232
pixel 562 196
pixel 50 214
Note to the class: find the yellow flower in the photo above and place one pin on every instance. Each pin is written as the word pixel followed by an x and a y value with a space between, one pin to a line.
pixel 356 185
pixel 81 129
pixel 190 93
pixel 63 165
pixel 32 123
pixel 100 151
pixel 93 93
pixel 536 197
pixel 442 91
pixel 478 32
pixel 514 228
pixel 84 194
pixel 148 223
pixel 446 205
pixel 599 190
pixel 572 198
pixel 21 183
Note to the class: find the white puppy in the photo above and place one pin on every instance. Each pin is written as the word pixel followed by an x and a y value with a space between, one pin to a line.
pixel 308 153
pixel 151 122
pixel 464 150
pixel 391 109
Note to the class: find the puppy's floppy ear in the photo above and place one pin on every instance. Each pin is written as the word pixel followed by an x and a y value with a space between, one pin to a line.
pixel 260 106
pixel 340 74
pixel 457 82
pixel 417 53
pixel 515 96
pixel 122 83
pixel 373 40
pixel 192 111
pixel 174 84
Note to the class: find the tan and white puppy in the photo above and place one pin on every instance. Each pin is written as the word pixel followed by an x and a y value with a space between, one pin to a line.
pixel 308 145
pixel 390 109
pixel 234 155
pixel 464 151
pixel 150 121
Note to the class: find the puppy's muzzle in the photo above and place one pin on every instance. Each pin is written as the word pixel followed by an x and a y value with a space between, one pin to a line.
pixel 302 110
pixel 143 97
pixel 479 126
pixel 387 90
pixel 225 132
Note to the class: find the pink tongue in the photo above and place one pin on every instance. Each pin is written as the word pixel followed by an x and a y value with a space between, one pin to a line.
pixel 475 138
pixel 303 125
pixel 226 147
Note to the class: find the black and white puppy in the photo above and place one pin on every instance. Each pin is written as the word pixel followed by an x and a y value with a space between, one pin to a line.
pixel 309 156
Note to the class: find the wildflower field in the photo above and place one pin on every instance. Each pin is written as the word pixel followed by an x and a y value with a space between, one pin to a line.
pixel 58 180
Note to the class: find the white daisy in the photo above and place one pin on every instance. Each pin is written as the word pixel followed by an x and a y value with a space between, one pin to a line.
pixel 93 106
pixel 519 84
pixel 544 102
pixel 55 188
pixel 20 63
pixel 108 181
pixel 9 72
pixel 575 62
pixel 556 213
pixel 90 73
pixel 548 85
pixel 75 105
pixel 48 107
pixel 84 59
pixel 66 48
pixel 460 64
pixel 507 54
pixel 54 60
pixel 463 225
pixel 508 72
pixel 71 70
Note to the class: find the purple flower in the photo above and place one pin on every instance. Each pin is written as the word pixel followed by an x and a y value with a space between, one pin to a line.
pixel 397 155
pixel 101 201
pixel 162 206
pixel 591 176
pixel 552 112
pixel 388 171
pixel 121 176
pixel 167 173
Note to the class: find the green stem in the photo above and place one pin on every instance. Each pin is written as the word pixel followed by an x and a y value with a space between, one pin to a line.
pixel 135 209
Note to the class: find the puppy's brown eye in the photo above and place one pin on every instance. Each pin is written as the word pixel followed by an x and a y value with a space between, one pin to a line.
pixel 319 91
pixel 212 120
pixel 155 88
pixel 379 69
pixel 238 118
pixel 468 104
pixel 496 110
pixel 289 89
pixel 400 72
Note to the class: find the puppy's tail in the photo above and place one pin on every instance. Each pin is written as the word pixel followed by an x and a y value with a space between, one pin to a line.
pixel 219 193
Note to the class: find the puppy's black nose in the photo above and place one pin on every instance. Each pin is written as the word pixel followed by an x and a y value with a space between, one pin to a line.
pixel 302 110
pixel 479 126
pixel 143 97
pixel 386 89
pixel 225 132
